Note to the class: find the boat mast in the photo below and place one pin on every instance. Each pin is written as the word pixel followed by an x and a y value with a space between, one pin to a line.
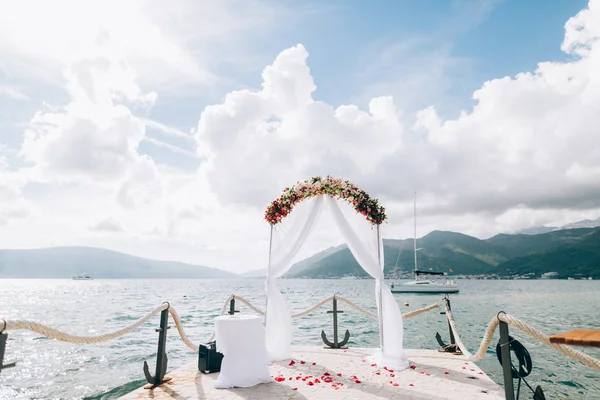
pixel 415 230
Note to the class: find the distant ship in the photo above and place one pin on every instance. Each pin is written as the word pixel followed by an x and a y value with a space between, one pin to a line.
pixel 84 277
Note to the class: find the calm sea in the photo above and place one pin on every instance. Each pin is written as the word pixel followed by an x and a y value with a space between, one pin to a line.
pixel 48 369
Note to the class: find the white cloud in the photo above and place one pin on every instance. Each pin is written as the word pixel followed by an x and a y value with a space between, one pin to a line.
pixel 107 225
pixel 13 204
pixel 259 141
pixel 174 47
pixel 12 92
pixel 530 142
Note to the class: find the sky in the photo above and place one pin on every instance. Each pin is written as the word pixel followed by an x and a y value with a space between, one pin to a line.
pixel 166 132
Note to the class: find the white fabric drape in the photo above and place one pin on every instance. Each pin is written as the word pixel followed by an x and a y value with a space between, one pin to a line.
pixel 368 251
pixel 369 254
pixel 283 251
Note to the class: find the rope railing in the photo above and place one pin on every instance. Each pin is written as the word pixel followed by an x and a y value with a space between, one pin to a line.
pixel 524 327
pixel 57 334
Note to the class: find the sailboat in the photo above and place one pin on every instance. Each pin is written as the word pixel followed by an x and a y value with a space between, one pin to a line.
pixel 423 285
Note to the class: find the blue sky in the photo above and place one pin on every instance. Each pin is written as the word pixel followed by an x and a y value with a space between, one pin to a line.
pixel 150 130
pixel 468 43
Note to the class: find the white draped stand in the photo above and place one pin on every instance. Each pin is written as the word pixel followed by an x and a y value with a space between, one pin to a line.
pixel 367 249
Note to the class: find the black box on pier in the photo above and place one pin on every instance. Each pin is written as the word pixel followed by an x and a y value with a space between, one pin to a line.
pixel 209 359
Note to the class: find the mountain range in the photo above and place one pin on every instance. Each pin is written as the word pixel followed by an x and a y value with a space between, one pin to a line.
pixel 536 230
pixel 567 252
pixel 66 262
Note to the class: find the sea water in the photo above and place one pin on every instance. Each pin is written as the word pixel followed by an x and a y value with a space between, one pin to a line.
pixel 48 369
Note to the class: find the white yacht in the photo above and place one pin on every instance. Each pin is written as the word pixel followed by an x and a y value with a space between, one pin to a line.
pixel 84 277
pixel 424 285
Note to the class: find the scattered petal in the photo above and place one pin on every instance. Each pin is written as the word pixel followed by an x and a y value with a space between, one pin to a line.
pixel 395 384
pixel 309 383
pixel 356 381
pixel 413 367
pixel 302 362
pixel 294 388
pixel 393 375
pixel 314 363
pixel 447 373
pixel 410 384
pixel 339 374
pixel 480 373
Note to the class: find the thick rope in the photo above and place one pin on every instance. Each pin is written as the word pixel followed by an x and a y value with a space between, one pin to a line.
pixel 181 332
pixel 414 313
pixel 529 330
pixel 66 337
pixel 313 308
pixel 457 338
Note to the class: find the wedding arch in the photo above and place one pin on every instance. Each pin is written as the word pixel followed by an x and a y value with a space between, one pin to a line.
pixel 367 250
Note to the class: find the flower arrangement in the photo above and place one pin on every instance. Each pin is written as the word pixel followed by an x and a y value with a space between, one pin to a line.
pixel 337 188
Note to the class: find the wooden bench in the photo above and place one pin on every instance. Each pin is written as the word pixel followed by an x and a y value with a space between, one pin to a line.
pixel 578 337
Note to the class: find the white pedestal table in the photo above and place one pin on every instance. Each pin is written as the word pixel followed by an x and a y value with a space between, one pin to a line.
pixel 241 340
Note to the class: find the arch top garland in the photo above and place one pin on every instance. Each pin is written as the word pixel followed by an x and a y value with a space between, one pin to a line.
pixel 338 188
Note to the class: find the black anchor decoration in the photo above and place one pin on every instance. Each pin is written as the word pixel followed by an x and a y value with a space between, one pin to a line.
pixel 336 344
pixel 3 338
pixel 161 356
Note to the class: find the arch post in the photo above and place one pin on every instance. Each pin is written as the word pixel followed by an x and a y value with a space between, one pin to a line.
pixel 380 292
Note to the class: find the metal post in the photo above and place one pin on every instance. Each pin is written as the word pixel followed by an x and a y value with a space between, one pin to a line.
pixel 509 390
pixel 452 339
pixel 380 294
pixel 268 272
pixel 232 309
pixel 161 357
pixel 335 323
pixel 3 338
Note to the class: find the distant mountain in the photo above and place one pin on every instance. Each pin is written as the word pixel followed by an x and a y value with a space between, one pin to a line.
pixel 66 262
pixel 300 266
pixel 586 223
pixel 536 230
pixel 255 274
pixel 512 246
pixel 456 253
pixel 578 256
